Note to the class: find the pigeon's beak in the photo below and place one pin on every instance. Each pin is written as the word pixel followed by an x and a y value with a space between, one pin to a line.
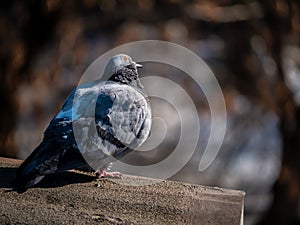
pixel 138 65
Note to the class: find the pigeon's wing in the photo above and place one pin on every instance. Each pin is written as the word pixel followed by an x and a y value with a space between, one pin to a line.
pixel 79 102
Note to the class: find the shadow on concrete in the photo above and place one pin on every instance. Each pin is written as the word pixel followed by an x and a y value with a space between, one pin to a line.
pixel 7 175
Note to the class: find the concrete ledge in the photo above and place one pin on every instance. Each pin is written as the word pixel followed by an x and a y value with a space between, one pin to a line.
pixel 78 198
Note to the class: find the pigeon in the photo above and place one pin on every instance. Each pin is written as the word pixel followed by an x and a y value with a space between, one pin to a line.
pixel 99 122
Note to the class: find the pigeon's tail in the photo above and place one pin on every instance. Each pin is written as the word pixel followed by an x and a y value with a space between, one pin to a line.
pixel 21 184
pixel 49 157
pixel 28 174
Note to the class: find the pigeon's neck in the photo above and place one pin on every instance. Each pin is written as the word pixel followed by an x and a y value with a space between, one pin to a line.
pixel 127 76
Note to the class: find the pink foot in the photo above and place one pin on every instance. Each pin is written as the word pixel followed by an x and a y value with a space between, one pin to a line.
pixel 104 174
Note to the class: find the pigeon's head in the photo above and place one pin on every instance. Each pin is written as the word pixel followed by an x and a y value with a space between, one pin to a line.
pixel 120 62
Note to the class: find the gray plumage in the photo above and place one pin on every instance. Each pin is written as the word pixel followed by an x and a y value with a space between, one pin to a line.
pixel 98 123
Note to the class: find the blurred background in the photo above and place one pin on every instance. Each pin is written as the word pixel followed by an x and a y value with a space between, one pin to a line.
pixel 253 47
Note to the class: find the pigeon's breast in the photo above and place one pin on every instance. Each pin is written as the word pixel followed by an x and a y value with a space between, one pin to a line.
pixel 129 118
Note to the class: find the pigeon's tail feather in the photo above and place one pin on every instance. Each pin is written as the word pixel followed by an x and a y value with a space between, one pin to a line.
pixel 28 161
pixel 27 174
pixel 23 183
pixel 48 158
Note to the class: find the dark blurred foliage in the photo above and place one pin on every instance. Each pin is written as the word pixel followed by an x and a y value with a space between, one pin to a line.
pixel 252 46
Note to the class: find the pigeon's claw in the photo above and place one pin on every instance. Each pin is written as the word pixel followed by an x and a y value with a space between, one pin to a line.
pixel 105 174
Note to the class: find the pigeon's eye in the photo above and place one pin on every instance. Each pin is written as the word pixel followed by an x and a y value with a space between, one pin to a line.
pixel 125 58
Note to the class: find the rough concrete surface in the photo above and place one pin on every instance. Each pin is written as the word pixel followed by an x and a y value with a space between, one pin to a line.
pixel 79 198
